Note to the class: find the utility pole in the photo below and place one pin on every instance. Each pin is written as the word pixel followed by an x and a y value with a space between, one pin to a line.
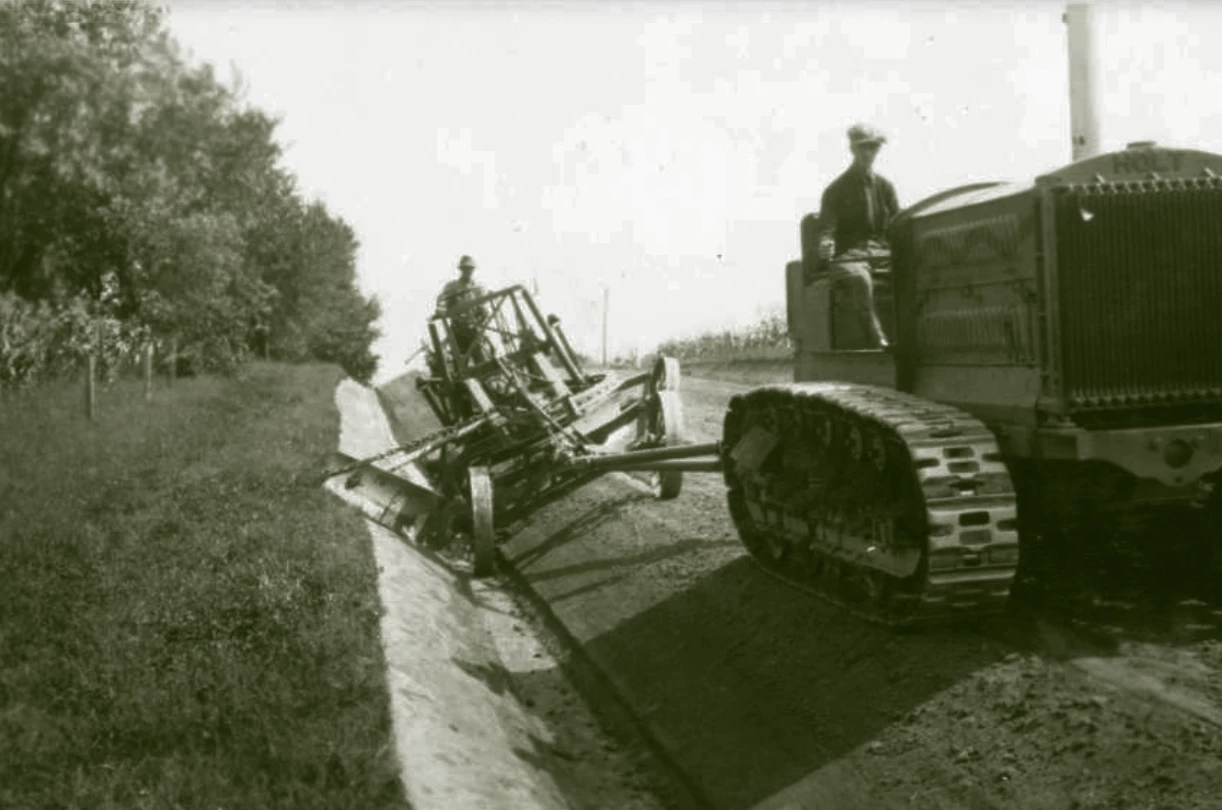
pixel 606 302
pixel 1083 85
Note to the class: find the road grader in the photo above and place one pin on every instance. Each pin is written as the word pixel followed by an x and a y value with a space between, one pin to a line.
pixel 522 423
pixel 1054 380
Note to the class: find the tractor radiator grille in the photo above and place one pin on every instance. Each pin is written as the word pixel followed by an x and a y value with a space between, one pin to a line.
pixel 1140 275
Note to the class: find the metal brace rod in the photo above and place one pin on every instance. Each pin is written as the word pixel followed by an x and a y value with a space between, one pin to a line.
pixel 636 457
pixel 674 465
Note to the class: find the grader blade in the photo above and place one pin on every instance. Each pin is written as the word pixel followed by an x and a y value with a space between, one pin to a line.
pixel 382 478
pixel 397 496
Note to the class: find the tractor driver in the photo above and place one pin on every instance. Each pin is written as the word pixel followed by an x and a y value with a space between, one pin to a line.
pixel 465 325
pixel 853 217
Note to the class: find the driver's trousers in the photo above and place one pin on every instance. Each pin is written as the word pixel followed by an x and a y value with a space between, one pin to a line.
pixel 464 335
pixel 854 278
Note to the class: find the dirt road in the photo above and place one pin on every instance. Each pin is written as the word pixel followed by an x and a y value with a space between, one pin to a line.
pixel 768 698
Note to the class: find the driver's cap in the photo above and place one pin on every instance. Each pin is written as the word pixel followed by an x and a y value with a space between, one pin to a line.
pixel 864 133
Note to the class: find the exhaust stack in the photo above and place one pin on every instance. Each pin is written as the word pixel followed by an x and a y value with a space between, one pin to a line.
pixel 1083 84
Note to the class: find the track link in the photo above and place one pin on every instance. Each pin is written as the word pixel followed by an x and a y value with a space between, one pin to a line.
pixel 898 509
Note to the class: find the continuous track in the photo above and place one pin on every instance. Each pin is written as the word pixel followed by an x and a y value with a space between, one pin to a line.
pixel 896 508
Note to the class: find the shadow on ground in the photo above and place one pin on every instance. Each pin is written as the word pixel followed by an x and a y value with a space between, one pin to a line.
pixel 754 686
pixel 762 694
pixel 748 685
pixel 1162 585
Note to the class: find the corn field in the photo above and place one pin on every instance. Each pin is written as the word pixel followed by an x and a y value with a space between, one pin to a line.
pixel 767 339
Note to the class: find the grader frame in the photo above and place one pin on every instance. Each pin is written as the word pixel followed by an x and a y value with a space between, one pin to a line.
pixel 523 422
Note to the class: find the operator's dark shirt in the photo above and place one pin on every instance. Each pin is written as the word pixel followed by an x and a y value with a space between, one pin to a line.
pixel 456 293
pixel 857 208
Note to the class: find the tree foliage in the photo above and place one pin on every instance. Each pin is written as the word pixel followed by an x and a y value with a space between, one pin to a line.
pixel 138 186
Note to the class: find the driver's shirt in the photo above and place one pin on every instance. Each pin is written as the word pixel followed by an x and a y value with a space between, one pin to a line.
pixel 856 209
pixel 456 293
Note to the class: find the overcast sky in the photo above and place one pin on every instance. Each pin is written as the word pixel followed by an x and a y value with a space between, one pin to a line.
pixel 668 150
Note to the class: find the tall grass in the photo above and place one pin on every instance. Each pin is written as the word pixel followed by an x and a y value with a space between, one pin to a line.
pixel 186 619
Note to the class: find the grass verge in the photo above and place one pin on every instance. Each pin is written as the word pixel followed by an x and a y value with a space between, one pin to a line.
pixel 187 620
pixel 747 372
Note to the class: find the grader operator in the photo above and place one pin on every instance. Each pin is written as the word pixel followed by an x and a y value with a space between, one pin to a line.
pixel 457 300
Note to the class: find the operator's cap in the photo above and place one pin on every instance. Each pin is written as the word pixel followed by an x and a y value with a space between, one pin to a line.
pixel 864 133
pixel 466 263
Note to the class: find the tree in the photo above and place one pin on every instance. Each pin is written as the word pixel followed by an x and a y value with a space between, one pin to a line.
pixel 143 186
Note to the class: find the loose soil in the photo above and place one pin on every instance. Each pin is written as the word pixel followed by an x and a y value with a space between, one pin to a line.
pixel 766 697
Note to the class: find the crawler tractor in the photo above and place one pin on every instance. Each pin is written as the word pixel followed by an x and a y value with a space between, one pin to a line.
pixel 1055 373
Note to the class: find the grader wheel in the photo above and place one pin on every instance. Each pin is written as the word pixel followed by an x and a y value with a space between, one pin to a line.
pixel 666 375
pixel 666 422
pixel 483 534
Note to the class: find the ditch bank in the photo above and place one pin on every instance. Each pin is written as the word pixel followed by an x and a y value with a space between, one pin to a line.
pixel 454 735
pixel 483 714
